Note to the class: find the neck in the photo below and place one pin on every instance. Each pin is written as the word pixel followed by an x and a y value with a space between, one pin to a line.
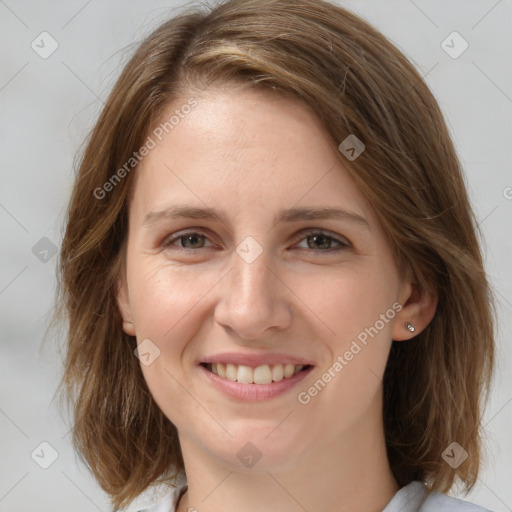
pixel 350 474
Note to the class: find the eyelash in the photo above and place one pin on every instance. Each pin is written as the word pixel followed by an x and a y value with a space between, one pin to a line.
pixel 342 245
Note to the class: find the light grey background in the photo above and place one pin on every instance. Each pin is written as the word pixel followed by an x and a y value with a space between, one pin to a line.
pixel 47 106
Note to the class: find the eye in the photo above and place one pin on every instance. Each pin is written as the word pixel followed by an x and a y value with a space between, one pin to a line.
pixel 189 241
pixel 316 240
pixel 319 241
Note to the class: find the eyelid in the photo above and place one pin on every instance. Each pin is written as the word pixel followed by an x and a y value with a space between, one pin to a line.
pixel 343 243
pixel 176 236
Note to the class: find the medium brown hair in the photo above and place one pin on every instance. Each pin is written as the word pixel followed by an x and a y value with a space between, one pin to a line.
pixel 357 82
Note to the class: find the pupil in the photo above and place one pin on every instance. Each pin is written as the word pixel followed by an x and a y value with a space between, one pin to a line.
pixel 316 239
pixel 191 238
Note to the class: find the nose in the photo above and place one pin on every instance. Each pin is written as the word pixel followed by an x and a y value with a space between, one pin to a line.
pixel 254 301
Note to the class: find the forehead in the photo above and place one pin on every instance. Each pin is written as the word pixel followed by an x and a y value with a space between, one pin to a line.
pixel 243 148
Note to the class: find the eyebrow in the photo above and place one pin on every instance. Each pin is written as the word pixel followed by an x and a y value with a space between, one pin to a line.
pixel 289 215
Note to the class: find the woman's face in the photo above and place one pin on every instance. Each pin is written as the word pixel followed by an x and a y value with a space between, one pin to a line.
pixel 234 256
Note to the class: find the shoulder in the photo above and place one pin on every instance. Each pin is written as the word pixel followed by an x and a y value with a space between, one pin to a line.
pixel 439 502
pixel 169 503
pixel 415 497
pixel 163 498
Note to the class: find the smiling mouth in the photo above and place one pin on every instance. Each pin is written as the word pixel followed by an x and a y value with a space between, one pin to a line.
pixel 264 374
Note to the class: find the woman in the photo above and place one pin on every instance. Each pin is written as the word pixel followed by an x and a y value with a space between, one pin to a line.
pixel 274 286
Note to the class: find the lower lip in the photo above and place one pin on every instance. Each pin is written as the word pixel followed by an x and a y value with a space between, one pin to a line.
pixel 254 392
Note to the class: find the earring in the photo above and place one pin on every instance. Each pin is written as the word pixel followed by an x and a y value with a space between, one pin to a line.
pixel 410 326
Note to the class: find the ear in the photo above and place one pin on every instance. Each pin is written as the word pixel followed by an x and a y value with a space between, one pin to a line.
pixel 123 303
pixel 418 308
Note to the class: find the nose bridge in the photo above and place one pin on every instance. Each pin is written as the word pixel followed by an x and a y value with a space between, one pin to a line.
pixel 252 278
pixel 252 298
pixel 251 281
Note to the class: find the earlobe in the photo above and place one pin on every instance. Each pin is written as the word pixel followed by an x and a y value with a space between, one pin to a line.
pixel 419 308
pixel 124 307
pixel 410 327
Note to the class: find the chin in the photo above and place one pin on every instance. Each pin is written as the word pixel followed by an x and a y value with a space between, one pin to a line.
pixel 251 450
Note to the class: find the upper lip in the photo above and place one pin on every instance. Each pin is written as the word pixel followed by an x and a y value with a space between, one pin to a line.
pixel 255 359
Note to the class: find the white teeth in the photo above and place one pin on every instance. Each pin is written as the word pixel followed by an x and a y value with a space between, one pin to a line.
pixel 277 372
pixel 231 372
pixel 265 374
pixel 221 369
pixel 288 370
pixel 262 374
pixel 245 374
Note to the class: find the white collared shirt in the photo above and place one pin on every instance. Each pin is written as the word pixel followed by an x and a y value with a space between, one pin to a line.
pixel 414 497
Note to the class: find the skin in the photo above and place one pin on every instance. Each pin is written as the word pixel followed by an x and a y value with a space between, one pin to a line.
pixel 251 154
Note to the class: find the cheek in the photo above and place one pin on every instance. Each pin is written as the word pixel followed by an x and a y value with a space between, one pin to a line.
pixel 168 311
pixel 355 309
pixel 349 304
pixel 164 299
